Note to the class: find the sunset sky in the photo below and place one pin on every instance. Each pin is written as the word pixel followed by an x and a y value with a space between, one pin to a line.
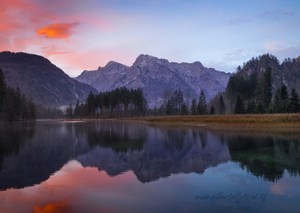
pixel 84 34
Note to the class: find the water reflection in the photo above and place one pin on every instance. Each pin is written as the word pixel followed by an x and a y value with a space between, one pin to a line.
pixel 132 167
pixel 265 156
pixel 31 153
pixel 153 152
pixel 12 138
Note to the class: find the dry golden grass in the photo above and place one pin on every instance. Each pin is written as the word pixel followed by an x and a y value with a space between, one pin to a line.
pixel 274 121
pixel 243 119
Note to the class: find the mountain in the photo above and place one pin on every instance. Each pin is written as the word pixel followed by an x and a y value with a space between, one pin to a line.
pixel 41 80
pixel 158 78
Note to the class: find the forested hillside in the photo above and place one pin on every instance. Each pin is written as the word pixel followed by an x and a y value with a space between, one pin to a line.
pixel 263 85
pixel 14 106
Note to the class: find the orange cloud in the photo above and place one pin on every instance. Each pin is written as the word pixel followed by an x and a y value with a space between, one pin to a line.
pixel 57 30
pixel 59 207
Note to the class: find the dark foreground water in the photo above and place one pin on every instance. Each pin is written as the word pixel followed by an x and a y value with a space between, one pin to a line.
pixel 130 167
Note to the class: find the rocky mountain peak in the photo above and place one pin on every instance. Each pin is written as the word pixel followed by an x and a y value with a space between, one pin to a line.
pixel 113 65
pixel 146 60
pixel 198 63
pixel 158 78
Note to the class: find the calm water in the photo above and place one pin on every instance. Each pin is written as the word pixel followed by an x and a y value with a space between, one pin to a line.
pixel 130 167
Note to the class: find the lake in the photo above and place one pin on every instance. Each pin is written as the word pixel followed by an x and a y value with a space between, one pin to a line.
pixel 114 166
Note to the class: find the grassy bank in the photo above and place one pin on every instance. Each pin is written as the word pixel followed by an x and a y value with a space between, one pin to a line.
pixel 216 121
pixel 230 121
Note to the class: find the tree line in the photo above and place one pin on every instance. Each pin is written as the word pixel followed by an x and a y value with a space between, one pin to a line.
pixel 120 102
pixel 176 105
pixel 14 106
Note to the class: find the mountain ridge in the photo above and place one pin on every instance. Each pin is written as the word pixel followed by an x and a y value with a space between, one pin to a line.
pixel 40 80
pixel 158 78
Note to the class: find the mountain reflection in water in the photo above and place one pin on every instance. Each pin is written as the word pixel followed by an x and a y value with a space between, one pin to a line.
pixel 41 153
pixel 30 154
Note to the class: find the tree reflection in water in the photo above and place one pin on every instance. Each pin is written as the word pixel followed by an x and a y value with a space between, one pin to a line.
pixel 29 153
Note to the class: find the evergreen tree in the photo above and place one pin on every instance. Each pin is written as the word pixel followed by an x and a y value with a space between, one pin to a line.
pixel 174 104
pixel 284 98
pixel 202 106
pixel 69 111
pixel 18 104
pixel 184 110
pixel 91 104
pixel 16 107
pixel 9 105
pixel 221 105
pixel 251 107
pixel 277 108
pixel 239 106
pixel 267 87
pixel 259 108
pixel 2 89
pixel 31 110
pixel 24 108
pixel 168 107
pixel 294 104
pixel 77 109
pixel 212 110
pixel 194 107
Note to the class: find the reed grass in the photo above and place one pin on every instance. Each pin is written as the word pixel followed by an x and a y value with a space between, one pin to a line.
pixel 249 120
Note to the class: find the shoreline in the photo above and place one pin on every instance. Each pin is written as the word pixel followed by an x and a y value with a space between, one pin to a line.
pixel 249 123
pixel 265 121
pixel 291 120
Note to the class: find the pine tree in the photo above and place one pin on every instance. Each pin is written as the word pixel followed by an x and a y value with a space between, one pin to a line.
pixel 212 110
pixel 184 110
pixel 267 88
pixel 259 108
pixel 277 108
pixel 284 98
pixel 91 104
pixel 31 109
pixel 2 89
pixel 77 110
pixel 194 107
pixel 69 111
pixel 221 105
pixel 168 107
pixel 294 104
pixel 239 106
pixel 202 106
pixel 12 104
pixel 250 107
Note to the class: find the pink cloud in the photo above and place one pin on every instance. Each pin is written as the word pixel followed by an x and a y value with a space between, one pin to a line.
pixel 14 14
pixel 51 29
pixel 74 62
pixel 17 24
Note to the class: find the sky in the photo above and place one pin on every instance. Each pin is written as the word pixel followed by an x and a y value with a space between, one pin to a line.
pixel 79 35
